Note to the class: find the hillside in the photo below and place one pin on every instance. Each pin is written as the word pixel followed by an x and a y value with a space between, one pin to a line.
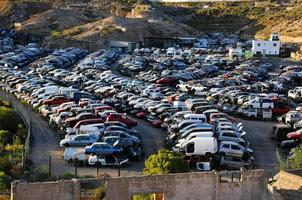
pixel 119 28
pixel 11 12
pixel 58 20
pixel 243 18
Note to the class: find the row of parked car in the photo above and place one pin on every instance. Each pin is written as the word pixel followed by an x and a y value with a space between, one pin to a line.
pixel 186 92
pixel 88 127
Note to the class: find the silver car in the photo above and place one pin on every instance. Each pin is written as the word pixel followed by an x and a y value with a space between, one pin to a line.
pixel 230 148
pixel 228 162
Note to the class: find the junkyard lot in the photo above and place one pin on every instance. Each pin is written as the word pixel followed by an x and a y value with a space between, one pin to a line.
pixel 45 142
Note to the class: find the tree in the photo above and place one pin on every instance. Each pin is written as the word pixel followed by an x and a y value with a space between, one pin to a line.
pixel 164 162
pixel 8 119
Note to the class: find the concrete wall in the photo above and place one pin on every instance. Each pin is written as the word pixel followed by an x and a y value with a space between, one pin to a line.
pixel 197 186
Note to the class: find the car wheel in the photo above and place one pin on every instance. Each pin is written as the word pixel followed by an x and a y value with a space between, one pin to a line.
pixel 208 154
pixel 67 145
pixel 222 153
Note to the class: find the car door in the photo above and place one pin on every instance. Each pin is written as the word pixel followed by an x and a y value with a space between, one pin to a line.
pixel 235 150
pixel 77 141
pixel 105 149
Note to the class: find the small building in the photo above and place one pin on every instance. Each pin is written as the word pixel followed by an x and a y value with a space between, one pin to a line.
pixel 267 47
pixel 122 45
pixel 236 52
pixel 139 11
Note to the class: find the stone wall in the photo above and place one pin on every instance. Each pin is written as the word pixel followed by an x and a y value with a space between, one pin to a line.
pixel 247 185
pixel 195 186
pixel 59 190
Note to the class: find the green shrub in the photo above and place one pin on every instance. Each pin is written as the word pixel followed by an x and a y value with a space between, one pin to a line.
pixel 56 34
pixel 100 192
pixel 164 162
pixel 4 181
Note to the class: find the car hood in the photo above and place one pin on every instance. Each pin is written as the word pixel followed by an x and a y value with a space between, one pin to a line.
pixel 294 135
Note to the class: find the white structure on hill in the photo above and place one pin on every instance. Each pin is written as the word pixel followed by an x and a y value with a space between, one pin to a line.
pixel 270 47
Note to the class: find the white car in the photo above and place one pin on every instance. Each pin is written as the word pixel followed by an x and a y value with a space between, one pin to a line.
pixel 259 103
pixel 291 117
pixel 107 161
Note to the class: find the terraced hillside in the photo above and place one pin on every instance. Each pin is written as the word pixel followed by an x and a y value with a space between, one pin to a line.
pixel 244 18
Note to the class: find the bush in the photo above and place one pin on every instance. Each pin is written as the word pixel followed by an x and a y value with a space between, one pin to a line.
pixel 5 103
pixel 296 161
pixel 5 137
pixel 8 119
pixel 164 162
pixel 100 192
pixel 56 34
pixel 5 164
pixel 4 181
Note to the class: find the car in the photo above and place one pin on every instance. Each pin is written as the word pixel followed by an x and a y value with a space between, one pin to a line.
pixel 102 148
pixel 121 118
pixel 229 162
pixel 80 140
pixel 107 160
pixel 291 117
pixel 132 138
pixel 72 121
pixel 296 135
pixel 57 100
pixel 230 148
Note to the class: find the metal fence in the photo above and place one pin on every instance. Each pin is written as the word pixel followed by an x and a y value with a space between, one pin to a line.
pixel 22 112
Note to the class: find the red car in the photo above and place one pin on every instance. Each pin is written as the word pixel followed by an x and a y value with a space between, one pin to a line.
pixel 280 110
pixel 57 100
pixel 141 115
pixel 121 118
pixel 166 81
pixel 295 135
pixel 101 109
pixel 72 121
pixel 157 123
pixel 88 121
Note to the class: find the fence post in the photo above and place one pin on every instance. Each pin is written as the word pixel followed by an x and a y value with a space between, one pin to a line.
pixel 97 166
pixel 49 165
pixel 76 167
pixel 119 169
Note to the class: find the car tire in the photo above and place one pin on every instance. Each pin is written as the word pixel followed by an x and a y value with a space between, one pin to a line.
pixel 67 145
pixel 222 153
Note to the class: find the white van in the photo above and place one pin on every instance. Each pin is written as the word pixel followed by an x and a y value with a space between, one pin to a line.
pixel 183 141
pixel 170 52
pixel 199 117
pixel 71 151
pixel 201 146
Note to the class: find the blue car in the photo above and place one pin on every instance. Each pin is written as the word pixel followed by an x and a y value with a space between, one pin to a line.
pixel 102 148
